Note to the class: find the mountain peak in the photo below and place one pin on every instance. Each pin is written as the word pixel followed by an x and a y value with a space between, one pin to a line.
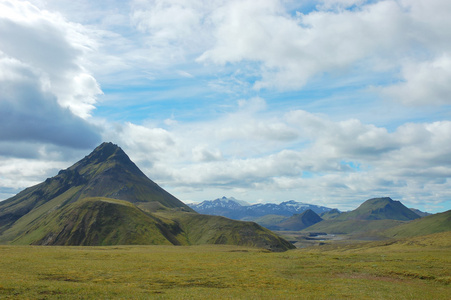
pixel 380 209
pixel 104 152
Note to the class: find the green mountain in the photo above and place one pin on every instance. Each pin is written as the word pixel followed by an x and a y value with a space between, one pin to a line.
pixel 440 222
pixel 98 221
pixel 207 229
pixel 419 212
pixel 104 199
pixel 379 209
pixel 298 221
pixel 331 214
pixel 372 215
pixel 269 221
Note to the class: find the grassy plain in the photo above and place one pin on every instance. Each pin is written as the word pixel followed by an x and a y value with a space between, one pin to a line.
pixel 415 268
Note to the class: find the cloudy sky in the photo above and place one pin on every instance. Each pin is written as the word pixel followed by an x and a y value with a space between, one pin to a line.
pixel 327 102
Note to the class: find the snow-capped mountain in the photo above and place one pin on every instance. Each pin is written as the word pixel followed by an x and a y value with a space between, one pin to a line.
pixel 223 202
pixel 234 209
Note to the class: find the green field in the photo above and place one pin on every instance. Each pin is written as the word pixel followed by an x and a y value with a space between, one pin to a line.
pixel 415 268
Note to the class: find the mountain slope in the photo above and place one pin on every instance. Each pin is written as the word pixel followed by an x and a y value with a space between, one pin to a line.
pixel 109 172
pixel 440 222
pixel 205 229
pixel 372 215
pixel 380 209
pixel 104 199
pixel 331 214
pixel 299 221
pixel 333 226
pixel 269 221
pixel 98 222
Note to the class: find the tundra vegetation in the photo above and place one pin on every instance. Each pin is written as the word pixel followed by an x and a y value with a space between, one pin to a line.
pixel 409 268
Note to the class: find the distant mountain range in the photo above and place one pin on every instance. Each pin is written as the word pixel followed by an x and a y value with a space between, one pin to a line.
pixel 104 199
pixel 373 215
pixel 241 210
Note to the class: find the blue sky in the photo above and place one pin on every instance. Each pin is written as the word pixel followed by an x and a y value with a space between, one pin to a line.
pixel 326 102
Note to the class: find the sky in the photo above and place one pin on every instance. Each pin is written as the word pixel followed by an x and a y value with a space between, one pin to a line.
pixel 327 102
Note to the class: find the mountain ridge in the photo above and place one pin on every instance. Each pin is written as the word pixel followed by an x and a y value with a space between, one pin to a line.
pixel 229 208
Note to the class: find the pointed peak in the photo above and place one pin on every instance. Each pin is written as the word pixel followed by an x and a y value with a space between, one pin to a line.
pixel 107 155
pixel 106 151
pixel 107 148
pixel 380 200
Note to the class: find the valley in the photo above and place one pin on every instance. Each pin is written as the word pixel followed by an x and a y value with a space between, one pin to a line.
pixel 411 268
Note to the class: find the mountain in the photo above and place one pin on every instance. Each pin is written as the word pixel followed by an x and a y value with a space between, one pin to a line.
pixel 104 199
pixel 330 214
pixel 419 212
pixel 98 221
pixel 270 221
pixel 435 223
pixel 380 209
pixel 218 207
pixel 374 214
pixel 230 208
pixel 298 221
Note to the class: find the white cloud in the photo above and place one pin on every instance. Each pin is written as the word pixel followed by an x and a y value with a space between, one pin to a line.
pixel 53 48
pixel 423 83
pixel 29 112
pixel 374 36
pixel 20 173
pixel 339 4
pixel 294 49
pixel 324 161
pixel 203 154
pixel 174 30
pixel 272 47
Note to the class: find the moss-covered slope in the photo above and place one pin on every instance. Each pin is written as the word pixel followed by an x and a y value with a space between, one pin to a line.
pixel 205 229
pixel 440 222
pixel 100 221
pixel 298 221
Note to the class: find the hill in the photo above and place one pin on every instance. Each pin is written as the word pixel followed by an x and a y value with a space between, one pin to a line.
pixel 373 215
pixel 380 209
pixel 200 229
pixel 98 222
pixel 368 228
pixel 269 221
pixel 419 212
pixel 298 221
pixel 331 214
pixel 436 223
pixel 104 199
